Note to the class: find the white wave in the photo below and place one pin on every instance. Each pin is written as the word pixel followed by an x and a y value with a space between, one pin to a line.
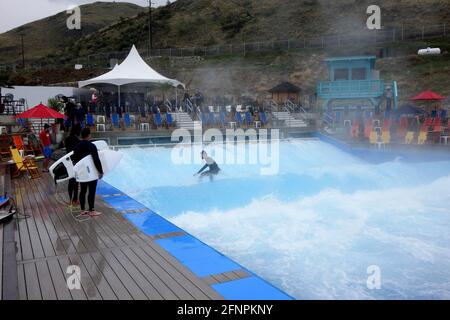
pixel 320 246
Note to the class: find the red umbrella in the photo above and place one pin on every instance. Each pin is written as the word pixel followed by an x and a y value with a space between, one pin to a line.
pixel 40 112
pixel 428 96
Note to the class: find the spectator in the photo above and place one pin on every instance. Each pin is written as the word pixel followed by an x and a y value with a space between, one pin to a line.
pixel 44 136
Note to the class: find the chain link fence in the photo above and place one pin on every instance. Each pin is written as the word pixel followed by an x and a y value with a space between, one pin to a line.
pixel 359 39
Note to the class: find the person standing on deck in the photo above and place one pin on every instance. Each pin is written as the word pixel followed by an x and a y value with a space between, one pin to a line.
pixel 70 143
pixel 44 136
pixel 83 149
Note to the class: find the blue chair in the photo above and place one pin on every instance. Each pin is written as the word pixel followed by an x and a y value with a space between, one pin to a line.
pixel 238 118
pixel 338 117
pixel 158 119
pixel 433 114
pixel 115 120
pixel 169 119
pixel 248 118
pixel 127 120
pixel 90 120
pixel 212 118
pixel 443 114
pixel 204 118
pixel 223 119
pixel 263 118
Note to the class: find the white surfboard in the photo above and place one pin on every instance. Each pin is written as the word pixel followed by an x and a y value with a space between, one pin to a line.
pixel 85 170
pixel 62 170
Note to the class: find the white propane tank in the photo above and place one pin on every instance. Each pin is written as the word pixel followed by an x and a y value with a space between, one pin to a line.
pixel 430 52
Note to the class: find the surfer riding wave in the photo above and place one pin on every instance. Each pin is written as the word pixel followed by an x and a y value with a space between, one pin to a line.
pixel 211 164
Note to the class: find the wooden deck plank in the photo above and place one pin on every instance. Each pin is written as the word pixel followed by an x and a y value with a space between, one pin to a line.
pixel 36 243
pixel 32 282
pixel 45 281
pixel 21 282
pixel 150 274
pixel 95 272
pixel 88 285
pixel 164 274
pixel 131 285
pixel 59 280
pixel 45 210
pixel 25 243
pixel 116 284
pixel 42 226
pixel 137 276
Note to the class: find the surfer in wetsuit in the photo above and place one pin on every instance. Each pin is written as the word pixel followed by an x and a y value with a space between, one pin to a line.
pixel 83 149
pixel 70 143
pixel 211 164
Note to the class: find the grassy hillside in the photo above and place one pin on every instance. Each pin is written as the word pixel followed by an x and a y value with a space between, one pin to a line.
pixel 187 23
pixel 50 36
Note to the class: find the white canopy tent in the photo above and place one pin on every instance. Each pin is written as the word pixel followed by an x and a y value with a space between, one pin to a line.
pixel 132 70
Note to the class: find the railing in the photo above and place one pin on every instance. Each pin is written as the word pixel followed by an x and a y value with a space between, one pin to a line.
pixel 350 89
pixel 328 119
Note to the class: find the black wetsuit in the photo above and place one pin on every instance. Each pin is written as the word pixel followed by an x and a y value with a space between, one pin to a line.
pixel 82 150
pixel 70 143
pixel 212 165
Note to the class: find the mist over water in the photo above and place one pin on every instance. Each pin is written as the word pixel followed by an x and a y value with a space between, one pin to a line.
pixel 314 228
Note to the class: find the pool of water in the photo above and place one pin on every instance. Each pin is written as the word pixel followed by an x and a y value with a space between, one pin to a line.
pixel 315 227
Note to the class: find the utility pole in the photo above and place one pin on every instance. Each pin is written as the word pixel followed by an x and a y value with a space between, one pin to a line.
pixel 23 50
pixel 150 29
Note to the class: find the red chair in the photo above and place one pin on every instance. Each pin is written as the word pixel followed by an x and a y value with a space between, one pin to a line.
pixel 368 127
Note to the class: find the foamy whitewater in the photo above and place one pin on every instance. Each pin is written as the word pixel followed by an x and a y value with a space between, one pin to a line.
pixel 315 227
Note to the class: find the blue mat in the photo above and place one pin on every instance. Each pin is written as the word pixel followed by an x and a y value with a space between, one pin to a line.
pixel 198 257
pixel 124 203
pixel 104 188
pixel 252 288
pixel 152 224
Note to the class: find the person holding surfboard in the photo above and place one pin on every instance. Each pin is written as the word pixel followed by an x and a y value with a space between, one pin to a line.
pixel 70 143
pixel 83 149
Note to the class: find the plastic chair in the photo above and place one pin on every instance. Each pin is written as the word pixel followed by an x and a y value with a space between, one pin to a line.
pixel 115 120
pixel 248 118
pixel 169 119
pixel 263 118
pixel 158 119
pixel 127 120
pixel 238 118
pixel 90 120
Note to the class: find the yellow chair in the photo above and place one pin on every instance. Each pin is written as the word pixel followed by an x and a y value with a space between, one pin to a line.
pixel 409 137
pixel 386 137
pixel 24 165
pixel 423 137
pixel 373 138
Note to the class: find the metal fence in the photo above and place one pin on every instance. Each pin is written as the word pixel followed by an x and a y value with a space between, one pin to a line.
pixel 359 39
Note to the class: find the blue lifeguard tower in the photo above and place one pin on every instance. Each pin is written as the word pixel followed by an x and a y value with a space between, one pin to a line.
pixel 354 86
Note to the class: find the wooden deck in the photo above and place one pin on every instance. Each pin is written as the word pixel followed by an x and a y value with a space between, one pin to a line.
pixel 116 260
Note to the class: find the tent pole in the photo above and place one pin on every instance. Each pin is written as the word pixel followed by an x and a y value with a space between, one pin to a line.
pixel 118 97
pixel 176 99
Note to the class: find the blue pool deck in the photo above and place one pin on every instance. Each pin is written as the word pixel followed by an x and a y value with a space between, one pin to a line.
pixel 128 253
pixel 204 261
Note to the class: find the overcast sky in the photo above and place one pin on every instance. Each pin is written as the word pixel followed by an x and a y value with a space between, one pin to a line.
pixel 18 12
